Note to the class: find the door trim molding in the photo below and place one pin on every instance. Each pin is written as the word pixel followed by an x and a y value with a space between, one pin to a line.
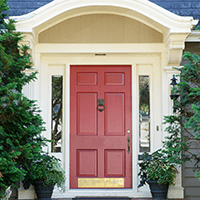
pixel 43 61
pixel 100 48
pixel 71 193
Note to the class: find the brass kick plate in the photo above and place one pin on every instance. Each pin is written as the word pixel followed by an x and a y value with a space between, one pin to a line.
pixel 101 182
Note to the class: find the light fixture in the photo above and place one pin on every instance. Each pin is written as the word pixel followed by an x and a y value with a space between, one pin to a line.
pixel 174 95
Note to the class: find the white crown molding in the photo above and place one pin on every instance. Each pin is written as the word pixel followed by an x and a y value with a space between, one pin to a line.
pixel 194 36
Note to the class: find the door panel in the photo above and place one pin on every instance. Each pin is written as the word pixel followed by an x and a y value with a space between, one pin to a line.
pixel 114 114
pixel 86 114
pixel 115 163
pixel 87 162
pixel 99 155
pixel 114 78
pixel 87 78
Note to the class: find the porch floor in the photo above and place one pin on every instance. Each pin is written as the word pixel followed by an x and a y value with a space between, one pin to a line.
pixel 117 199
pixel 104 199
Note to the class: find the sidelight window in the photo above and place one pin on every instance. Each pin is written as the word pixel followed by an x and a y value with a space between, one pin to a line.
pixel 57 113
pixel 144 114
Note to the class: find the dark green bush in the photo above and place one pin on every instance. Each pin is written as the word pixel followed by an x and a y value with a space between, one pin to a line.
pixel 20 121
pixel 183 126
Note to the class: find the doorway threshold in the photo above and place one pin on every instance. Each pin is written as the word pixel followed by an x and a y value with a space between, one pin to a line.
pixel 102 198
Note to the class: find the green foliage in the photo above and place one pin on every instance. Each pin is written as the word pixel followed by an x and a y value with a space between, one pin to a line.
pixel 20 121
pixel 157 167
pixel 183 140
pixel 144 94
pixel 9 172
pixel 57 96
pixel 48 169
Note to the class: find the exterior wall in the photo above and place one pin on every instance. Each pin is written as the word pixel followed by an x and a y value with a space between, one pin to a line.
pixel 190 183
pixel 100 28
pixel 158 56
pixel 192 47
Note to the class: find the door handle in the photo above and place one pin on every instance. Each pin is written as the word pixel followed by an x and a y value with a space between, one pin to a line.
pixel 129 144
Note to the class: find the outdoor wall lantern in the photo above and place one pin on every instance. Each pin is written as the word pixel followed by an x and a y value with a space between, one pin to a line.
pixel 174 95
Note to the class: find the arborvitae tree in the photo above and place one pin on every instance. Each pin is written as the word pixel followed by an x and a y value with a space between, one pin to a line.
pixel 20 121
pixel 183 142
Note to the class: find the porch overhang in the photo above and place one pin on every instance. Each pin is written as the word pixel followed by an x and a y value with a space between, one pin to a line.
pixel 175 29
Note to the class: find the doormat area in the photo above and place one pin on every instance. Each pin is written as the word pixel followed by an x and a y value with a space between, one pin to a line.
pixel 98 198
pixel 102 198
pixel 117 198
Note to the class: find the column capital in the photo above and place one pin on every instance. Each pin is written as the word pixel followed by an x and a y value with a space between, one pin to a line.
pixel 175 44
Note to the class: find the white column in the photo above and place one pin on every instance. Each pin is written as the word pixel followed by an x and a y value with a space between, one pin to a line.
pixel 32 92
pixel 176 191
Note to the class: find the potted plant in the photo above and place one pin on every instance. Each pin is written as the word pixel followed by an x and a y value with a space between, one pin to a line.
pixel 158 171
pixel 44 173
pixel 7 194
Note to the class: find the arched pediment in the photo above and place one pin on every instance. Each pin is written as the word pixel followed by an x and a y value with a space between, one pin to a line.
pixel 173 28
pixel 141 10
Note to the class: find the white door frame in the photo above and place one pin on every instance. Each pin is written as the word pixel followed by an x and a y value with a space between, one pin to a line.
pixel 148 56
pixel 139 66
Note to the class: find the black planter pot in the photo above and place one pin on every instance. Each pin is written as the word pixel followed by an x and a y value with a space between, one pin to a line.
pixel 43 192
pixel 158 191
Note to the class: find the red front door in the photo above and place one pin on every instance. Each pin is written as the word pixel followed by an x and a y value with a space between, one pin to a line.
pixel 100 141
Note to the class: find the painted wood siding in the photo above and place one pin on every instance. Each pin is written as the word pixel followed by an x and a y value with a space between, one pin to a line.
pixel 190 183
pixel 100 28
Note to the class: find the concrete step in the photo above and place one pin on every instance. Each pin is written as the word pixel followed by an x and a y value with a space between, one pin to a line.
pixel 117 198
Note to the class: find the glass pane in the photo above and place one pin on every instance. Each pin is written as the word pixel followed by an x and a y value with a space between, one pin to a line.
pixel 144 114
pixel 56 117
